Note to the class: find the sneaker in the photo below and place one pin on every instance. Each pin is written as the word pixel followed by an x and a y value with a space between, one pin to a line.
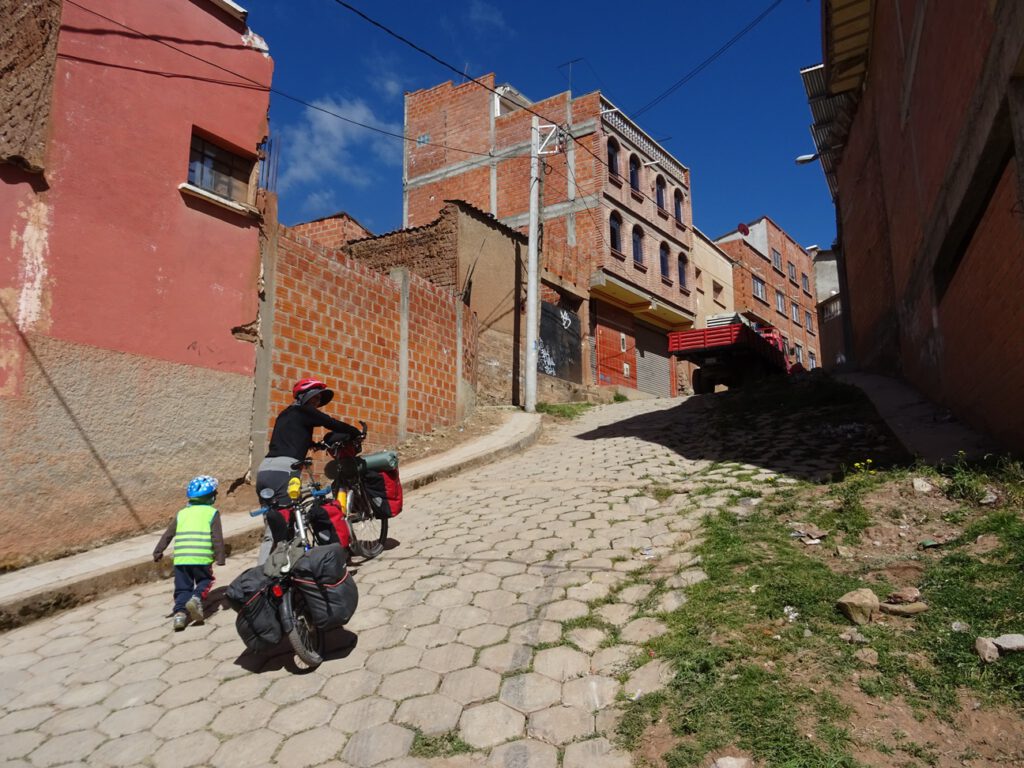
pixel 180 621
pixel 195 610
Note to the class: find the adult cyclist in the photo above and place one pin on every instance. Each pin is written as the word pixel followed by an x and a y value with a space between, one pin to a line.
pixel 291 440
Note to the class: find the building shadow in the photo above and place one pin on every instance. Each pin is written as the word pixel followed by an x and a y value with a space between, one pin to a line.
pixel 807 427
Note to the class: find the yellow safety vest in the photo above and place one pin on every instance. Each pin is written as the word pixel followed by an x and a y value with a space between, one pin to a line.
pixel 193 543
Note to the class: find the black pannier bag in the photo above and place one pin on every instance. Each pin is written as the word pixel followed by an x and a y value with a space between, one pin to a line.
pixel 257 621
pixel 321 578
pixel 376 494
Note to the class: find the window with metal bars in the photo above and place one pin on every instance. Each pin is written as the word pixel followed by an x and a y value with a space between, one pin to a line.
pixel 218 170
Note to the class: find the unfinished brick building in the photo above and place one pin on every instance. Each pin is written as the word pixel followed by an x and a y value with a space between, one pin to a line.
pixel 920 127
pixel 616 214
pixel 773 280
pixel 472 256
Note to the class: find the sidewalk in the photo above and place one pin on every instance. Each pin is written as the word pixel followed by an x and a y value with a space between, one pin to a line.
pixel 924 428
pixel 35 591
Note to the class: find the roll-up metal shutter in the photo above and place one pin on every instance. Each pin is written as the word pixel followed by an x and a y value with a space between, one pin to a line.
pixel 652 362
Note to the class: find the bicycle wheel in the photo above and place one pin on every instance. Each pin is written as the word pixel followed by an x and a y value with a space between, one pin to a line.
pixel 307 640
pixel 368 532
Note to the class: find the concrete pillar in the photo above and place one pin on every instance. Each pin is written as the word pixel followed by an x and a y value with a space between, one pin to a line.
pixel 401 276
pixel 258 438
pixel 460 399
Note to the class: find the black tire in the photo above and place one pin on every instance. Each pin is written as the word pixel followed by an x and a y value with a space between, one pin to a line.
pixel 697 382
pixel 306 639
pixel 367 532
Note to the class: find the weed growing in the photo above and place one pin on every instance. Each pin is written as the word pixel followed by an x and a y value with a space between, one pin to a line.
pixel 564 410
pixel 444 745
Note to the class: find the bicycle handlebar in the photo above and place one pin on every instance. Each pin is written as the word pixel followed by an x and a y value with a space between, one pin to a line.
pixel 260 511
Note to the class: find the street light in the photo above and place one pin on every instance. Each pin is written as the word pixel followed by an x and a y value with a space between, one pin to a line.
pixel 805 159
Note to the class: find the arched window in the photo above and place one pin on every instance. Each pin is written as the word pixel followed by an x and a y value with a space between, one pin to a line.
pixel 634 172
pixel 679 206
pixel 615 231
pixel 638 245
pixel 683 261
pixel 613 157
pixel 659 187
pixel 663 253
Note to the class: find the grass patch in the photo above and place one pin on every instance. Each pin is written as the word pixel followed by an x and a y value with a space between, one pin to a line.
pixel 445 745
pixel 660 492
pixel 564 410
pixel 728 643
pixel 734 650
pixel 618 397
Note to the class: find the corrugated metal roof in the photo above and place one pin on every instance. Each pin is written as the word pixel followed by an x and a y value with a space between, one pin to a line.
pixel 825 110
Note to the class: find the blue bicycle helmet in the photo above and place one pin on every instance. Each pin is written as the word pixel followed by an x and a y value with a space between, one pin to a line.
pixel 200 486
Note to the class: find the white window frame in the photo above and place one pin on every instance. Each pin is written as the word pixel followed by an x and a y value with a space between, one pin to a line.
pixel 760 289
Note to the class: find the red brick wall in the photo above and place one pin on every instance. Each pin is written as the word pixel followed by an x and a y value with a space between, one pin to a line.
pixel 337 319
pixel 334 231
pixel 898 186
pixel 461 115
pixel 981 317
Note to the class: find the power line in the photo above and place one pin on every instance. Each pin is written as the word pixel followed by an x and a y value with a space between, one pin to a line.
pixel 401 38
pixel 708 61
pixel 462 75
pixel 276 91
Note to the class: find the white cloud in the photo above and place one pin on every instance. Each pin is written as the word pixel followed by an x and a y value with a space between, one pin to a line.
pixel 322 202
pixel 323 150
pixel 482 14
pixel 388 84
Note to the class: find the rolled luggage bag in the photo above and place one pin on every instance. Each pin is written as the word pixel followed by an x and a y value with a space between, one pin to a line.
pixel 381 460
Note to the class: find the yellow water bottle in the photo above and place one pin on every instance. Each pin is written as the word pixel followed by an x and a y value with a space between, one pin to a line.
pixel 294 488
pixel 342 498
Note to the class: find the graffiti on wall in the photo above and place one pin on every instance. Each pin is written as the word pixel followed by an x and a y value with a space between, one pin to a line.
pixel 559 351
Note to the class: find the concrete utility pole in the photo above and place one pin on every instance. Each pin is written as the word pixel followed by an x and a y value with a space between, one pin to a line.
pixel 531 269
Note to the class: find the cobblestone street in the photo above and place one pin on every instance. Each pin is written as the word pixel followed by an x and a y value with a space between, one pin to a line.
pixel 512 613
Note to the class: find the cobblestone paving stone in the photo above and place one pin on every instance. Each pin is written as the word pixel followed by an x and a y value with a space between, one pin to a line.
pixel 489 566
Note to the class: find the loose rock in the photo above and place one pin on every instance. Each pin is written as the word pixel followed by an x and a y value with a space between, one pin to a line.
pixel 910 609
pixel 867 656
pixel 986 649
pixel 989 498
pixel 852 636
pixel 845 552
pixel 1010 643
pixel 859 605
pixel 905 595
pixel 923 486
pixel 733 762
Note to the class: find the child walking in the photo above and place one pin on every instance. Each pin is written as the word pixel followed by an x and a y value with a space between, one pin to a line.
pixel 198 542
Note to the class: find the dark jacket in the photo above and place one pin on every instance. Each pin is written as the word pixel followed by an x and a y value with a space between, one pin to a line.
pixel 293 430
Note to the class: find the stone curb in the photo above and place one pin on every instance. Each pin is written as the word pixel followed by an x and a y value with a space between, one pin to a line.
pixel 128 562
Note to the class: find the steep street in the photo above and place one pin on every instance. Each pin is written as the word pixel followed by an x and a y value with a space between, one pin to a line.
pixel 511 617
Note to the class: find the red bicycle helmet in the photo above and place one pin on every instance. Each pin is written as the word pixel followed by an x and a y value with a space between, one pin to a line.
pixel 305 389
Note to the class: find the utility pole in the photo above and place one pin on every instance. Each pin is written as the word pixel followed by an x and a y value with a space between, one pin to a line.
pixel 531 269
pixel 549 145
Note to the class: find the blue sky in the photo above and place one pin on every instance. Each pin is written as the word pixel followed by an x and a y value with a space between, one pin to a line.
pixel 738 125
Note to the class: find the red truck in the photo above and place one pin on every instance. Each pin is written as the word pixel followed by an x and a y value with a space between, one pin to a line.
pixel 730 353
